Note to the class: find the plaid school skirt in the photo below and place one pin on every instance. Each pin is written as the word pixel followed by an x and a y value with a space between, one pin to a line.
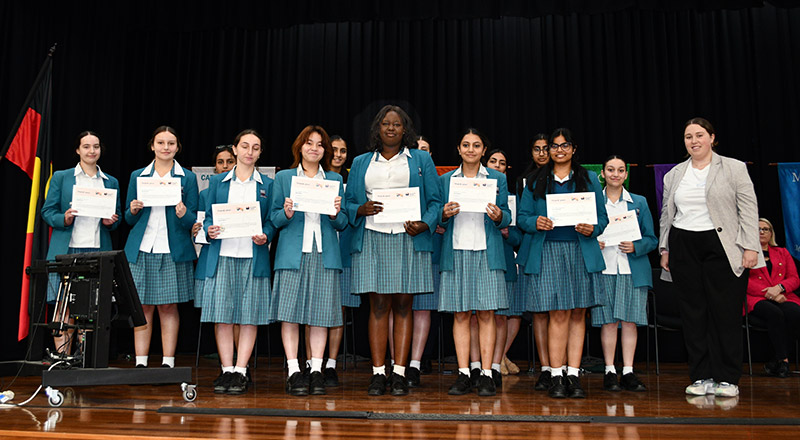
pixel 310 295
pixel 234 295
pixel 389 264
pixel 516 303
pixel 429 301
pixel 563 283
pixel 348 299
pixel 471 285
pixel 624 302
pixel 159 280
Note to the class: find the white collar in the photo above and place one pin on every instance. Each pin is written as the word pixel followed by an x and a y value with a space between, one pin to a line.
pixel 79 170
pixel 481 171
pixel 377 156
pixel 320 172
pixel 560 180
pixel 232 174
pixel 176 168
pixel 626 196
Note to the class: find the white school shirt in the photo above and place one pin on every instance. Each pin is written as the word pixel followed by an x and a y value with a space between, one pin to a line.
pixel 312 233
pixel 156 236
pixel 616 260
pixel 240 192
pixel 469 233
pixel 386 174
pixel 690 200
pixel 86 230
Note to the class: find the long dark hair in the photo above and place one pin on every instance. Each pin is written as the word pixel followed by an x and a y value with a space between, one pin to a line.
pixel 541 182
pixel 409 135
pixel 529 170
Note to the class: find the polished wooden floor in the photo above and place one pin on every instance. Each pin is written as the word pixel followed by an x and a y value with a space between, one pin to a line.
pixel 766 408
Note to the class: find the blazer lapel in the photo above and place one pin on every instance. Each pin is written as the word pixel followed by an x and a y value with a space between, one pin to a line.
pixel 716 165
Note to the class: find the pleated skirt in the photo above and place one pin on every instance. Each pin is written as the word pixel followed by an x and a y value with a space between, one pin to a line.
pixel 516 304
pixel 53 278
pixel 563 283
pixel 159 280
pixel 429 301
pixel 472 285
pixel 348 299
pixel 234 295
pixel 624 302
pixel 389 264
pixel 310 295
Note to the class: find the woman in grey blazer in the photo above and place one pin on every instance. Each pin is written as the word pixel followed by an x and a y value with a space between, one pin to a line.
pixel 709 239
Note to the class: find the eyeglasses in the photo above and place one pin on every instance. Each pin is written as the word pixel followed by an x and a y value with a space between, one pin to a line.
pixel 764 230
pixel 566 146
pixel 540 150
pixel 222 147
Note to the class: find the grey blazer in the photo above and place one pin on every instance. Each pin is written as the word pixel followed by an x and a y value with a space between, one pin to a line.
pixel 731 203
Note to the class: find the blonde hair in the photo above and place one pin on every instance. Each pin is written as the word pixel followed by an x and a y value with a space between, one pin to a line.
pixel 772 241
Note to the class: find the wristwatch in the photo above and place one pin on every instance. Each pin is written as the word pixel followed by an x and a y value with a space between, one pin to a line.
pixel 783 289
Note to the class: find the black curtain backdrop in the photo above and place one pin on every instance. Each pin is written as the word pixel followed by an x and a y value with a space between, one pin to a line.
pixel 623 75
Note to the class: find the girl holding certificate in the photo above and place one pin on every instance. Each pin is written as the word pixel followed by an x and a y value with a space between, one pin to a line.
pixel 237 286
pixel 625 280
pixel 159 247
pixel 562 259
pixel 307 262
pixel 391 261
pixel 508 320
pixel 473 264
pixel 73 233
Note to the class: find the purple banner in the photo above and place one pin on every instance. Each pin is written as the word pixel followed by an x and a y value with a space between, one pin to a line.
pixel 660 170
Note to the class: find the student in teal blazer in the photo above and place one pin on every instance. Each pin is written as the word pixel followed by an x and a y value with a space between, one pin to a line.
pixel 563 260
pixel 159 247
pixel 307 289
pixel 75 234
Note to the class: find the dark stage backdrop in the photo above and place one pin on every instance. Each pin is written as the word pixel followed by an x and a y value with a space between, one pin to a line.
pixel 624 75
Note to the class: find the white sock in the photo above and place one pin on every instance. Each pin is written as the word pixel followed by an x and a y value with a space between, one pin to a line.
pixel 415 364
pixel 240 370
pixel 331 363
pixel 464 371
pixel 486 373
pixel 572 371
pixel 316 365
pixel 496 367
pixel 611 369
pixel 379 370
pixel 626 370
pixel 308 363
pixel 294 366
pixel 558 371
pixel 227 369
pixel 141 360
pixel 545 369
pixel 168 360
pixel 399 370
pixel 392 362
pixel 474 365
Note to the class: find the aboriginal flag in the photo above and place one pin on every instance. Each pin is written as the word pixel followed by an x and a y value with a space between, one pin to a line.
pixel 28 146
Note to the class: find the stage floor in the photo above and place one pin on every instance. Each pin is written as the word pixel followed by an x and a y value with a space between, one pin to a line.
pixel 767 407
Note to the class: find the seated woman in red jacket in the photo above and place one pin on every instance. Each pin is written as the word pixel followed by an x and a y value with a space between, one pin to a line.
pixel 771 296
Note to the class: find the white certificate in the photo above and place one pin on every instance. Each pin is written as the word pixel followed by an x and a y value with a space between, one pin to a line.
pixel 314 195
pixel 399 205
pixel 200 238
pixel 473 195
pixel 94 202
pixel 237 219
pixel 622 227
pixel 572 208
pixel 512 205
pixel 157 191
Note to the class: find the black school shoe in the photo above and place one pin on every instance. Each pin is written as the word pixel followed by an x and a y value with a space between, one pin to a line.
pixel 474 375
pixel 557 388
pixel 777 368
pixel 412 377
pixel 574 389
pixel 398 385
pixel 610 382
pixel 497 378
pixel 238 384
pixel 316 386
pixel 331 378
pixel 632 383
pixel 222 382
pixel 462 385
pixel 486 386
pixel 297 385
pixel 544 381
pixel 377 385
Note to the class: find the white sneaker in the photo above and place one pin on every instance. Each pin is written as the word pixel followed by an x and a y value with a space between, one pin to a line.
pixel 725 389
pixel 701 387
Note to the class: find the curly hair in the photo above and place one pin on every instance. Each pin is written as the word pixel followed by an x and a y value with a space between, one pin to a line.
pixel 409 135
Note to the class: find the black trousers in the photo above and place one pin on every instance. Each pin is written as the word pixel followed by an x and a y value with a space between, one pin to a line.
pixel 783 324
pixel 710 298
